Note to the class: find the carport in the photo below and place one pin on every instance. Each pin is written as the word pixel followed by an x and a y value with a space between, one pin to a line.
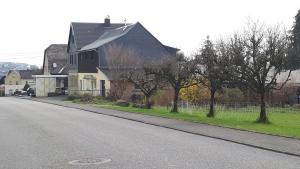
pixel 45 84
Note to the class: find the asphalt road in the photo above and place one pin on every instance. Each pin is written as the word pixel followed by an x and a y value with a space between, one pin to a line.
pixel 38 135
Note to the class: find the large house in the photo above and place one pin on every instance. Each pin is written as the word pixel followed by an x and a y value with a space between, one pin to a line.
pixel 88 56
pixel 55 71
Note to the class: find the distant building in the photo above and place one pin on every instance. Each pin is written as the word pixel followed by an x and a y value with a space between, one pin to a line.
pixel 290 93
pixel 16 80
pixel 27 76
pixel 12 82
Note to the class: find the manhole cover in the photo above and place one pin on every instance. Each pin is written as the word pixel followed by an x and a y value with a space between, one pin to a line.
pixel 90 161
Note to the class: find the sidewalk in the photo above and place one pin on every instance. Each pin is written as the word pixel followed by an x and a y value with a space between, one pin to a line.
pixel 278 144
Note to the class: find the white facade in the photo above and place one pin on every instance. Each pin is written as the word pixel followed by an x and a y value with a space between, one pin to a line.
pixel 10 89
pixel 96 84
pixel 45 84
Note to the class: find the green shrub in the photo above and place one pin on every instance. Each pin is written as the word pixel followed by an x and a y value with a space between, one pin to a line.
pixel 136 105
pixel 86 98
pixel 26 86
pixel 100 100
pixel 73 97
pixel 122 103
pixel 230 95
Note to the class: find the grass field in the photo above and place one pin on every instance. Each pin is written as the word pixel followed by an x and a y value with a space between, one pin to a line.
pixel 283 121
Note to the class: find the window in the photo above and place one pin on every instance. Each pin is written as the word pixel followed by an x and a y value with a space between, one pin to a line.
pixel 17 83
pixel 75 59
pixel 84 57
pixel 93 84
pixel 71 59
pixel 102 87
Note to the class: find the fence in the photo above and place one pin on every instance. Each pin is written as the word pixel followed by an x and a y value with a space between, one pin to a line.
pixel 240 107
pixel 103 93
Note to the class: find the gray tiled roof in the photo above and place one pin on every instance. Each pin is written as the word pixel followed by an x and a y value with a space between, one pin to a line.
pixel 57 53
pixel 12 71
pixel 171 49
pixel 27 74
pixel 86 33
pixel 109 36
pixel 92 35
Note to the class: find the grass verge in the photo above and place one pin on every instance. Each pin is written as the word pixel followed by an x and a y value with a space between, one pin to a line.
pixel 282 123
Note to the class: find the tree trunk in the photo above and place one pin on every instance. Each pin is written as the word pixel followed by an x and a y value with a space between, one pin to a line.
pixel 175 101
pixel 148 104
pixel 263 118
pixel 211 112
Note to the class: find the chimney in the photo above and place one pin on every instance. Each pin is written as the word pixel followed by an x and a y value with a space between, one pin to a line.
pixel 107 21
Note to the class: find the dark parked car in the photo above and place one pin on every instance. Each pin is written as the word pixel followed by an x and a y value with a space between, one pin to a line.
pixel 30 92
pixel 17 92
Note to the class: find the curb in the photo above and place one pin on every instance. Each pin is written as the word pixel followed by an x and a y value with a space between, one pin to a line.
pixel 173 128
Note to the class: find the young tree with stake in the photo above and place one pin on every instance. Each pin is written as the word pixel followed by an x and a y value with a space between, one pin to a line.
pixel 213 69
pixel 178 71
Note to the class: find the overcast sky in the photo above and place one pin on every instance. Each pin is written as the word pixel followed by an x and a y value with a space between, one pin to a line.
pixel 29 26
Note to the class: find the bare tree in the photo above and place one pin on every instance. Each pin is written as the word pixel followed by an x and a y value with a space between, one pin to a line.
pixel 213 69
pixel 127 66
pixel 178 72
pixel 260 55
pixel 120 60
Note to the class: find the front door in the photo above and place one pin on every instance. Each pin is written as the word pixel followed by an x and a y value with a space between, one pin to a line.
pixel 102 88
